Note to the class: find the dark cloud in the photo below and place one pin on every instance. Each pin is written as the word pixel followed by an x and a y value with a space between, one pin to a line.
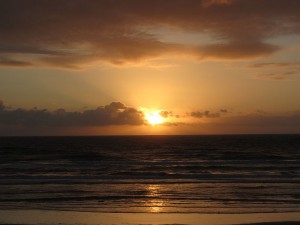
pixel 73 33
pixel 264 123
pixel 115 113
pixel 166 114
pixel 223 111
pixel 208 114
pixel 256 123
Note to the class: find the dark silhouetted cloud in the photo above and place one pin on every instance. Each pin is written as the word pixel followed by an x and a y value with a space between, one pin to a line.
pixel 166 114
pixel 115 113
pixel 208 114
pixel 73 33
pixel 61 122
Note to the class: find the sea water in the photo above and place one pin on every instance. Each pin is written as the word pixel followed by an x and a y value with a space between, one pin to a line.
pixel 157 174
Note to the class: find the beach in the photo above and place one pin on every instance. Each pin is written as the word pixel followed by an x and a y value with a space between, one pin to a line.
pixel 90 218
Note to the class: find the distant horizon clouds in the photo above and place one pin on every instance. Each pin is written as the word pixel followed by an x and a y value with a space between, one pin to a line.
pixel 118 114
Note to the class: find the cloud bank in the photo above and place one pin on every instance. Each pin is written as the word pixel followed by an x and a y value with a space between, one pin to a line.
pixel 124 120
pixel 74 33
pixel 116 113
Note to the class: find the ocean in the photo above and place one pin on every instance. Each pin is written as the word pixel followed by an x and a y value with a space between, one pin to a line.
pixel 151 174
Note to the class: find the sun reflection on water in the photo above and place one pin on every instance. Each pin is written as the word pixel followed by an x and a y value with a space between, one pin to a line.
pixel 155 204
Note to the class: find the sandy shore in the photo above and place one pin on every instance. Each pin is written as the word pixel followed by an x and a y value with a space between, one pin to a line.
pixel 267 223
pixel 274 223
pixel 93 218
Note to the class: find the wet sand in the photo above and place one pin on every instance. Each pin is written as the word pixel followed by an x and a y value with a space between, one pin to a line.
pixel 91 218
pixel 268 223
pixel 274 223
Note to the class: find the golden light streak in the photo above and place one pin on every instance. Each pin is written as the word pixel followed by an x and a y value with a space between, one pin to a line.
pixel 156 204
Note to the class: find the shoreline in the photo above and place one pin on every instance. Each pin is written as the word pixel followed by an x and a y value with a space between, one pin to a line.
pixel 18 217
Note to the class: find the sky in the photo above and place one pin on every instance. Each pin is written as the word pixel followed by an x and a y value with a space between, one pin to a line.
pixel 127 67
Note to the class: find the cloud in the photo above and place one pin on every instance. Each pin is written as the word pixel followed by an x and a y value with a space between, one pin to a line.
pixel 207 3
pixel 208 114
pixel 275 64
pixel 14 63
pixel 167 114
pixel 225 122
pixel 255 123
pixel 75 33
pixel 117 118
pixel 277 76
pixel 262 123
pixel 237 50
pixel 276 70
pixel 116 113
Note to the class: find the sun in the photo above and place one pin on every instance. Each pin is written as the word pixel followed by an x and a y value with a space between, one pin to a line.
pixel 154 117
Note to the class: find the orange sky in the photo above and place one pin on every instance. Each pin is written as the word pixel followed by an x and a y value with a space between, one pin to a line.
pixel 96 67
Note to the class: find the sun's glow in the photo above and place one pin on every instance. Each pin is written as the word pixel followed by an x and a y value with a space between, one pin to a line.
pixel 154 117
